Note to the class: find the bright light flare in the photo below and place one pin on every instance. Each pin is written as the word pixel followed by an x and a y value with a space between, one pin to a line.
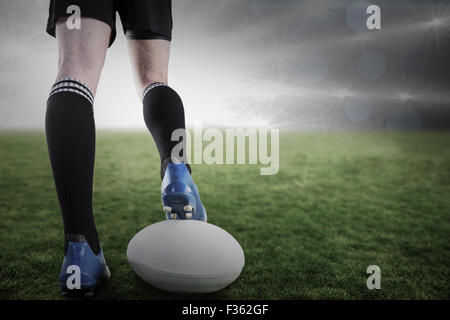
pixel 404 96
pixel 436 22
pixel 343 93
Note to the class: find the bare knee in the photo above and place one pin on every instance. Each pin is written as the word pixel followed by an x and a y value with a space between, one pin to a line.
pixel 81 72
pixel 82 52
pixel 150 60
pixel 147 78
pixel 84 65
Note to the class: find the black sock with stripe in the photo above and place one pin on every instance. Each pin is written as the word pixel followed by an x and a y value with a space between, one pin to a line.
pixel 70 132
pixel 164 113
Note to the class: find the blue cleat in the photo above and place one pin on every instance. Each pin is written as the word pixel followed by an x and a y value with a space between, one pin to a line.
pixel 179 194
pixel 82 271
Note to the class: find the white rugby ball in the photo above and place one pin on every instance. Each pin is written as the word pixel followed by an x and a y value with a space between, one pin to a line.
pixel 185 256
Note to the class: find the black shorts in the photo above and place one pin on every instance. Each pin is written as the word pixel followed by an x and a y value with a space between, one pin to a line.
pixel 141 19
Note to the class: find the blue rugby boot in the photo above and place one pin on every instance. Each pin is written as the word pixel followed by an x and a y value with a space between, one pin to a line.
pixel 82 271
pixel 179 194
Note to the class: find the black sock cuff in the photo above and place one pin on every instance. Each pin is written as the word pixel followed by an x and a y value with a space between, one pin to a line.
pixel 151 86
pixel 73 85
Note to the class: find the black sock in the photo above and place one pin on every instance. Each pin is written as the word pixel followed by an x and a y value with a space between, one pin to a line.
pixel 70 131
pixel 164 113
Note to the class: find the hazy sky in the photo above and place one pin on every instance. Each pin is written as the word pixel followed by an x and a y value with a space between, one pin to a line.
pixel 256 63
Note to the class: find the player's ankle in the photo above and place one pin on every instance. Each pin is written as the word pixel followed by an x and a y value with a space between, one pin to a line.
pixel 166 161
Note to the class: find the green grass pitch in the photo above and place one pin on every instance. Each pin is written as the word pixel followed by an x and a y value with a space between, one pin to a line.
pixel 340 202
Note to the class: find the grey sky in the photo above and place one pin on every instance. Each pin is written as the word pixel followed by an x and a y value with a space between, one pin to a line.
pixel 256 63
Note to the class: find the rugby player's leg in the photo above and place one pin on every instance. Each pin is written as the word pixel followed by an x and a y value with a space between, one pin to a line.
pixel 69 123
pixel 70 132
pixel 162 107
pixel 163 114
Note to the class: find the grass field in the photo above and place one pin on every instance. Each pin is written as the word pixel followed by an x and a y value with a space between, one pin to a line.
pixel 340 202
